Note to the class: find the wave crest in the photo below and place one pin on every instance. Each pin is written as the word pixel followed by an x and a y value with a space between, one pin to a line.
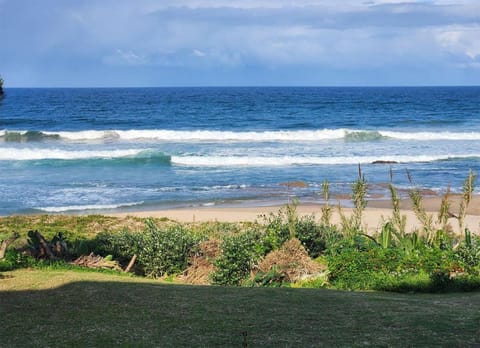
pixel 88 207
pixel 233 136
pixel 260 161
pixel 31 154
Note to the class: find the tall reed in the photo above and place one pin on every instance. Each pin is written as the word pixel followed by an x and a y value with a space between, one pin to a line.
pixel 467 192
pixel 444 211
pixel 359 192
pixel 398 220
pixel 326 208
pixel 426 220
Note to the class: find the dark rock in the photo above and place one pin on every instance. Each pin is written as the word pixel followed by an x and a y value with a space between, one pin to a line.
pixel 384 162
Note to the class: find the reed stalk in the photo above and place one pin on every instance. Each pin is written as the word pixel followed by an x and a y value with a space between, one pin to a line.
pixel 444 212
pixel 467 193
pixel 426 220
pixel 398 220
pixel 346 223
pixel 292 217
pixel 326 208
pixel 359 192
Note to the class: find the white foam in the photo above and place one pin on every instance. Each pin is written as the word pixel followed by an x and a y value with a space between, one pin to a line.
pixel 87 207
pixel 205 135
pixel 259 136
pixel 260 161
pixel 25 154
pixel 85 135
pixel 426 136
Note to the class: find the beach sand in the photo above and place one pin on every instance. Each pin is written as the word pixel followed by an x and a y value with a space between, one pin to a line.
pixel 375 213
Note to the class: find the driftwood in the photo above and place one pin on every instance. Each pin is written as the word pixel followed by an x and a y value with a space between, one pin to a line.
pixel 131 263
pixel 5 243
pixel 96 261
pixel 45 247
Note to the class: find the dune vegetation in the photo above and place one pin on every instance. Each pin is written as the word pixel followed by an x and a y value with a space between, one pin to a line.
pixel 279 250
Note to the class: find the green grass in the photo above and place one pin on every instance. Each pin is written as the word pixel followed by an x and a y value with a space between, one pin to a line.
pixel 88 226
pixel 61 308
pixel 81 226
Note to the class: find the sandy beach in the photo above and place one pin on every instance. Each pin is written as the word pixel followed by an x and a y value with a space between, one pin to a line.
pixel 375 213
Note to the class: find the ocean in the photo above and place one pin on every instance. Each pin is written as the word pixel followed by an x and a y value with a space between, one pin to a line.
pixel 122 149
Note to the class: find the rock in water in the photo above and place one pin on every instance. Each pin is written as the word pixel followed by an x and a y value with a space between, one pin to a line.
pixel 384 162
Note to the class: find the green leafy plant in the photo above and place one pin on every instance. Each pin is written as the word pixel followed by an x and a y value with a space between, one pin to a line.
pixel 272 278
pixel 239 254
pixel 165 251
pixel 468 253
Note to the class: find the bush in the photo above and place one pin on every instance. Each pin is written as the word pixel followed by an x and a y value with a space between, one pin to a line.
pixel 165 251
pixel 15 259
pixel 315 237
pixel 356 269
pixel 239 254
pixel 122 245
pixel 276 232
pixel 468 256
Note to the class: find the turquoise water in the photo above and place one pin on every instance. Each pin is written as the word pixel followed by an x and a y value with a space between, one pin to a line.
pixel 119 149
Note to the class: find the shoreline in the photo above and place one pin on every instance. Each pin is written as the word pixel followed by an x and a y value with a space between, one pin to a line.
pixel 375 212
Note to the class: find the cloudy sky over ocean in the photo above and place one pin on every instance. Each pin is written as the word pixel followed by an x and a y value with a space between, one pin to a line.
pixel 245 42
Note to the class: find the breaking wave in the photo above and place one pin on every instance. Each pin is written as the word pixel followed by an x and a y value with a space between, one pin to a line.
pixel 32 154
pixel 260 161
pixel 248 136
pixel 87 207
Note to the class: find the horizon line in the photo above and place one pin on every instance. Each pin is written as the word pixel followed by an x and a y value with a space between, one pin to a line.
pixel 239 86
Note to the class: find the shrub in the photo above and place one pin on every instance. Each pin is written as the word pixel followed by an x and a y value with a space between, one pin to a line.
pixel 122 245
pixel 467 254
pixel 353 268
pixel 165 251
pixel 239 254
pixel 315 237
pixel 276 232
pixel 15 259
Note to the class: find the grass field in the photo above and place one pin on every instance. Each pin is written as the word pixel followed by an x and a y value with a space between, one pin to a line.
pixel 40 308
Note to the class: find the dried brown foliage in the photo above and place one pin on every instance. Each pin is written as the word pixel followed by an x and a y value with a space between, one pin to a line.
pixel 201 264
pixel 291 260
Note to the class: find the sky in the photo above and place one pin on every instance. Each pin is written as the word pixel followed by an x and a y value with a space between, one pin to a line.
pixel 135 43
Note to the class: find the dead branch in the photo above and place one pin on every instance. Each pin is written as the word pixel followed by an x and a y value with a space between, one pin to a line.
pixel 5 243
pixel 131 263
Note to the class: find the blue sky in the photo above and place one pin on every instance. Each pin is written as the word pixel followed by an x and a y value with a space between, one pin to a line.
pixel 239 42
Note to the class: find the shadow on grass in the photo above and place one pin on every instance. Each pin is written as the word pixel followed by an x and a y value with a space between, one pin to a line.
pixel 143 314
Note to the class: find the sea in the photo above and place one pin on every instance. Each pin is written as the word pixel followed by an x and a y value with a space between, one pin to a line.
pixel 103 150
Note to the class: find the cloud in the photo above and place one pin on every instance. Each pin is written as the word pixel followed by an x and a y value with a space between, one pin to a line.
pixel 206 37
pixel 198 53
pixel 125 58
pixel 461 40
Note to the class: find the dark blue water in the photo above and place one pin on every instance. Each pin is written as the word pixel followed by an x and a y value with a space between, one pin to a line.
pixel 83 149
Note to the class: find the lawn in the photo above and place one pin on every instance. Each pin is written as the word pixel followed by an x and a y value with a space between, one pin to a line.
pixel 40 308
